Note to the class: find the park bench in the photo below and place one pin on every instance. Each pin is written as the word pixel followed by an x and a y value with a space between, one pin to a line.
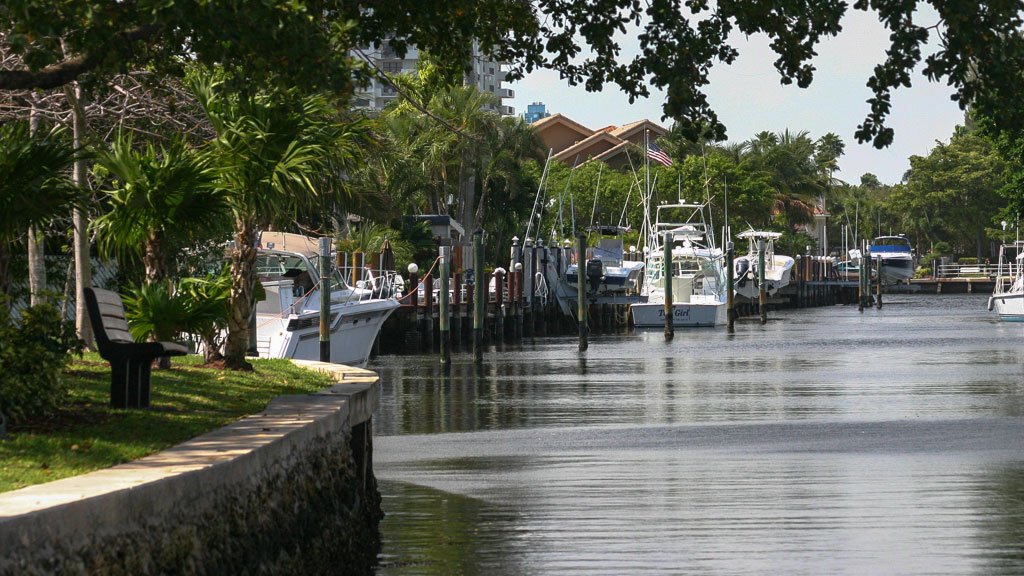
pixel 130 361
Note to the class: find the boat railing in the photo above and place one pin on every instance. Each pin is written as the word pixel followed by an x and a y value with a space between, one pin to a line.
pixel 974 271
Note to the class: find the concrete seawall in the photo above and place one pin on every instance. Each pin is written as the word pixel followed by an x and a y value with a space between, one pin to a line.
pixel 287 491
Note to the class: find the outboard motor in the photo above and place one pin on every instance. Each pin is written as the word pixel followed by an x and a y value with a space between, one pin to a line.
pixel 595 273
pixel 741 267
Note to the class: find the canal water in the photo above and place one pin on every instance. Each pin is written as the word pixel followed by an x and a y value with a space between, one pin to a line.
pixel 826 442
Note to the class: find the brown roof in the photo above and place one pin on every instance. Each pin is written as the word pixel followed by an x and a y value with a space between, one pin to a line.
pixel 594 139
pixel 541 124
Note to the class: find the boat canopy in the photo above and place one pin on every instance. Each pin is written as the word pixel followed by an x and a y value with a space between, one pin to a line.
pixel 288 242
pixel 760 234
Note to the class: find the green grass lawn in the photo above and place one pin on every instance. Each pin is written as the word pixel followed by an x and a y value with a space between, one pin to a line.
pixel 186 401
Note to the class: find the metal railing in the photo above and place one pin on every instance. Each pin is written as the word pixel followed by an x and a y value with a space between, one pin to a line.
pixel 969 271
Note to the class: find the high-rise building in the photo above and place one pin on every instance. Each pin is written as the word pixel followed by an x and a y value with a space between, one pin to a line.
pixel 535 112
pixel 485 73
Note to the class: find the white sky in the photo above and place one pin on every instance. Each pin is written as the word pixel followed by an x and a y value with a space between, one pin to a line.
pixel 749 98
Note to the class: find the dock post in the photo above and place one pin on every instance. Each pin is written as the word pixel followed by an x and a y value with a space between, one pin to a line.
pixel 762 289
pixel 325 299
pixel 581 292
pixel 670 328
pixel 427 326
pixel 730 253
pixel 456 320
pixel 878 292
pixel 542 328
pixel 443 309
pixel 519 301
pixel 499 304
pixel 860 279
pixel 479 296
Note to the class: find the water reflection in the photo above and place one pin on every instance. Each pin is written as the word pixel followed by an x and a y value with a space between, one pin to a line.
pixel 828 441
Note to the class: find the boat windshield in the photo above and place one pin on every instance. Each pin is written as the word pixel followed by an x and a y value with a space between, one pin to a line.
pixel 890 244
pixel 271 266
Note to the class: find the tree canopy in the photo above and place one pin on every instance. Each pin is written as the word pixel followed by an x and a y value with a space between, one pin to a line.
pixel 47 43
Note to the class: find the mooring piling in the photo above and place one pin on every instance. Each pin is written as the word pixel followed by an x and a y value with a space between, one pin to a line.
pixel 730 253
pixel 443 307
pixel 670 328
pixel 479 296
pixel 581 289
pixel 762 287
pixel 325 299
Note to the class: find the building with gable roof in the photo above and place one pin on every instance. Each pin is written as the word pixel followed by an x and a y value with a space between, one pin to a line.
pixel 574 143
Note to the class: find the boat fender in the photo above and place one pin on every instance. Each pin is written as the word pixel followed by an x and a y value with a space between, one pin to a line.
pixel 595 273
pixel 741 267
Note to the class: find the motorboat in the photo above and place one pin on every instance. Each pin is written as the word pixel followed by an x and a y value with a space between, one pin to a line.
pixel 697 275
pixel 604 268
pixel 288 319
pixel 1007 298
pixel 777 268
pixel 896 257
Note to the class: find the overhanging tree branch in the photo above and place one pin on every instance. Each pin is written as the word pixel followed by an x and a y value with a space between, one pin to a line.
pixel 62 73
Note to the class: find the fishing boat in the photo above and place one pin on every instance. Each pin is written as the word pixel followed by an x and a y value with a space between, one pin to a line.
pixel 604 268
pixel 895 256
pixel 1007 298
pixel 777 268
pixel 288 319
pixel 697 276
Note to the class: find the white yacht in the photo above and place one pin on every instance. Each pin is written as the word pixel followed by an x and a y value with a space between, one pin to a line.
pixel 1007 298
pixel 777 268
pixel 288 320
pixel 697 274
pixel 896 257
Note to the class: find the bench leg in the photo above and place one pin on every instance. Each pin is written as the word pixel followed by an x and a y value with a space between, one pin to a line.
pixel 119 383
pixel 145 369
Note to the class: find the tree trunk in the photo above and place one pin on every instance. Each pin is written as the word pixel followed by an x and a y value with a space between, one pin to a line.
pixel 83 266
pixel 153 261
pixel 36 240
pixel 36 265
pixel 243 278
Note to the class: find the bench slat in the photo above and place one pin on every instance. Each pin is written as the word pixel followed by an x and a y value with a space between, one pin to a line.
pixel 107 297
pixel 115 322
pixel 118 335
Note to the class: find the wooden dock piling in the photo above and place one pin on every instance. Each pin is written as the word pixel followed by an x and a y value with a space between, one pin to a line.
pixel 479 296
pixel 762 288
pixel 581 290
pixel 444 309
pixel 670 328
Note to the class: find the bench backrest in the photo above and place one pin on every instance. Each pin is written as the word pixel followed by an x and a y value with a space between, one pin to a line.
pixel 106 312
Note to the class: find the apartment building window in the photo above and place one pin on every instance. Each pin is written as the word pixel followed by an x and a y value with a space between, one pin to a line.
pixel 386 51
pixel 492 69
pixel 492 87
pixel 387 90
pixel 392 67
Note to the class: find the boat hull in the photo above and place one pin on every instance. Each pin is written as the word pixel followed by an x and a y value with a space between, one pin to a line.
pixel 354 329
pixel 897 269
pixel 1009 306
pixel 685 314
pixel 777 277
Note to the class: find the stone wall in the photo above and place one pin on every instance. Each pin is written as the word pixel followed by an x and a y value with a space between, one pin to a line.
pixel 287 491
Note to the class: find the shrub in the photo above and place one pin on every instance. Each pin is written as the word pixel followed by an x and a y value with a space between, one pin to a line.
pixel 923 273
pixel 968 261
pixel 33 355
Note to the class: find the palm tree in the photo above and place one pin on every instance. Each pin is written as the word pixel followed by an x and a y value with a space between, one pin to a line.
pixel 267 153
pixel 161 199
pixel 33 187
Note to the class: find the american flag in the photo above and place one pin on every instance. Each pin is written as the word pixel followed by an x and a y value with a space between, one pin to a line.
pixel 656 154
